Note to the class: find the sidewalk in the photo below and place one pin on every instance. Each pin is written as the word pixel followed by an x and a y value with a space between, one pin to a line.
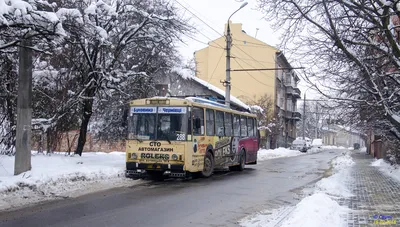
pixel 375 194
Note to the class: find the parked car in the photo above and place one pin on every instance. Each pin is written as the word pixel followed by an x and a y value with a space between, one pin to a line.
pixel 308 141
pixel 317 143
pixel 300 145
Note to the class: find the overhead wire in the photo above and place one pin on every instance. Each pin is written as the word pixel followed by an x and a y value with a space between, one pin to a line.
pixel 198 17
pixel 212 74
pixel 221 47
pixel 208 44
pixel 252 75
pixel 258 44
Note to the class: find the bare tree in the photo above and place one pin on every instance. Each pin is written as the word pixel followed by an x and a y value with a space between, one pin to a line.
pixel 112 43
pixel 351 49
pixel 267 119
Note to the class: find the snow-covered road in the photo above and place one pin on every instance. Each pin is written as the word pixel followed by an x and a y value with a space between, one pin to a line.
pixel 59 175
pixel 316 210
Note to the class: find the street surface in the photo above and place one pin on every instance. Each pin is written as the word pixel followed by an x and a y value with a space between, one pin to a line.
pixel 221 200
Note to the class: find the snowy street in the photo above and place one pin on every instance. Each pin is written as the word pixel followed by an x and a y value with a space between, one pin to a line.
pixel 223 200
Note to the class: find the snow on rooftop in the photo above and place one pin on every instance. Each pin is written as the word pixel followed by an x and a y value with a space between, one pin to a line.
pixel 188 74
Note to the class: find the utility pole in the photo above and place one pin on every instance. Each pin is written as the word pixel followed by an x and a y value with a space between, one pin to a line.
pixel 228 67
pixel 304 117
pixel 24 110
pixel 317 119
pixel 227 82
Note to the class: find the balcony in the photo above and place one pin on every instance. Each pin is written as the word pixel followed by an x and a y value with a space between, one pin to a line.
pixel 294 91
pixel 292 115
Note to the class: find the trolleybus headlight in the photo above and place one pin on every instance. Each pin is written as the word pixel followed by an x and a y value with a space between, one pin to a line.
pixel 174 157
pixel 133 156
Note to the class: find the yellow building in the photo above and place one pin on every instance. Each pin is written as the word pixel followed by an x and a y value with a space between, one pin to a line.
pixel 248 52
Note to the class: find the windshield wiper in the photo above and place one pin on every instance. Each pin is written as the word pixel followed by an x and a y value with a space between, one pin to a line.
pixel 136 138
pixel 166 136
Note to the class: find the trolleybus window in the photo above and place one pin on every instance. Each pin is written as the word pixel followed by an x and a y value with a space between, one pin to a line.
pixel 250 127
pixel 228 124
pixel 198 121
pixel 219 123
pixel 243 126
pixel 142 126
pixel 210 122
pixel 236 125
pixel 172 124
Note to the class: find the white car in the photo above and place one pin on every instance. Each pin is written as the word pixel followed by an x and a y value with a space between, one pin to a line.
pixel 308 141
pixel 317 143
pixel 300 145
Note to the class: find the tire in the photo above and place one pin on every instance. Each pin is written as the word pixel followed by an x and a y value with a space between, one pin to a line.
pixel 208 168
pixel 242 162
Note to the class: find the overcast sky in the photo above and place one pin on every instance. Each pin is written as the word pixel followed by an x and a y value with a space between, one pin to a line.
pixel 216 13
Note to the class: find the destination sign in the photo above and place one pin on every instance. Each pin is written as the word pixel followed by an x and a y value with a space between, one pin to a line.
pixel 172 110
pixel 143 109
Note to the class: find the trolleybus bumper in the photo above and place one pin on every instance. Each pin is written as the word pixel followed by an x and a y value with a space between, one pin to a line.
pixel 139 170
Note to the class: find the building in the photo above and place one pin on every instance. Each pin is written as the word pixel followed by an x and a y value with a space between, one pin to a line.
pixel 248 52
pixel 341 136
pixel 184 83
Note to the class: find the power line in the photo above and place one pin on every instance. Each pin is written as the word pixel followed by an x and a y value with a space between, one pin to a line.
pixel 250 56
pixel 254 69
pixel 197 17
pixel 203 23
pixel 247 59
pixel 203 42
pixel 265 69
pixel 212 74
pixel 258 44
pixel 204 18
pixel 252 75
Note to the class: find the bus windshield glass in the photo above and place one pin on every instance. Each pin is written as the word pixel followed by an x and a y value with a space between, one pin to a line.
pixel 162 123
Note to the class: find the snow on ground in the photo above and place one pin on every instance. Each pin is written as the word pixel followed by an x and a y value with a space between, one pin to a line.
pixel 265 154
pixel 281 152
pixel 315 210
pixel 334 185
pixel 58 176
pixel 390 170
pixel 318 209
pixel 333 147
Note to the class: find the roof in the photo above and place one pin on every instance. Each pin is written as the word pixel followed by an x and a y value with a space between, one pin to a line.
pixel 194 100
pixel 188 74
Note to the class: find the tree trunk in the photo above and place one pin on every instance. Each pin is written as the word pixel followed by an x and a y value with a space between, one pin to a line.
pixel 87 113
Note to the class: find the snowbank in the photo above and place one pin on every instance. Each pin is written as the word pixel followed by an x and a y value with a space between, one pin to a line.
pixel 342 161
pixel 335 185
pixel 318 209
pixel 315 210
pixel 264 154
pixel 333 147
pixel 60 176
pixel 389 170
pixel 281 152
